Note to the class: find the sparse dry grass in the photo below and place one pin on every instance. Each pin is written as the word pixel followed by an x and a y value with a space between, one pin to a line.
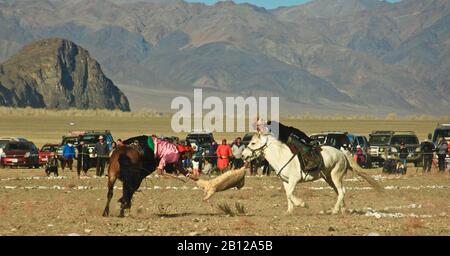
pixel 175 212
pixel 80 210
pixel 225 208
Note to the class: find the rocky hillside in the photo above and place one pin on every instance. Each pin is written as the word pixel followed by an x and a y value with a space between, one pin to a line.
pixel 56 73
pixel 355 55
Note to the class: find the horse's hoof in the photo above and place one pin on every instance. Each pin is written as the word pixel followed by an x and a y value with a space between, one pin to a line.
pixel 304 205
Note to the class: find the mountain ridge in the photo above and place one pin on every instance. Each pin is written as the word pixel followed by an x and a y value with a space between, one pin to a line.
pixel 56 73
pixel 364 53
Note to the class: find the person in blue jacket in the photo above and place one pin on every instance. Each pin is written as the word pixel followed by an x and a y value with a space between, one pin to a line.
pixel 68 156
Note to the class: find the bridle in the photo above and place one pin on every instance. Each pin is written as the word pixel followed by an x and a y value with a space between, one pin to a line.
pixel 260 149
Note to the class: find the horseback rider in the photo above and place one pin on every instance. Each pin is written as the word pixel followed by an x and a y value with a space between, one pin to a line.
pixel 298 142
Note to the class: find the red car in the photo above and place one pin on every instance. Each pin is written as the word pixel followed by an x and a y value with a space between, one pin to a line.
pixel 47 151
pixel 19 153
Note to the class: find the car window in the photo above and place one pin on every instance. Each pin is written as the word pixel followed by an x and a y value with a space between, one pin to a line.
pixel 439 133
pixel 405 139
pixel 91 139
pixel 71 140
pixel 3 143
pixel 18 146
pixel 319 138
pixel 48 148
pixel 379 139
pixel 200 139
pixel 361 141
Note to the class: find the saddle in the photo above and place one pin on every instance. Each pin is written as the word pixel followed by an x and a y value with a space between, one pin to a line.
pixel 308 154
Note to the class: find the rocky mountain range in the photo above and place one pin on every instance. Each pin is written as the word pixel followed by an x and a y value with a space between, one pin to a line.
pixel 353 55
pixel 57 74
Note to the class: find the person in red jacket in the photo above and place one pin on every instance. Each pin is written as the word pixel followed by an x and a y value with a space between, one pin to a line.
pixel 223 154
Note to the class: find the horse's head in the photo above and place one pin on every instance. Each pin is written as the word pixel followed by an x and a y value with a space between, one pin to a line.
pixel 256 146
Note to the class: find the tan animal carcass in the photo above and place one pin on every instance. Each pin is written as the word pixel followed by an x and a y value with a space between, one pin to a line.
pixel 231 179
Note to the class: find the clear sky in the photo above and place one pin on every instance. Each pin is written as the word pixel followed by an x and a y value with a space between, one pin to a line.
pixel 268 4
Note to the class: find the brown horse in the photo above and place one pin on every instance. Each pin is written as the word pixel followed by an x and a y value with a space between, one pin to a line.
pixel 130 163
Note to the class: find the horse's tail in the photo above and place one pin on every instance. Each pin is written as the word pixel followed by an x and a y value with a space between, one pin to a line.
pixel 353 165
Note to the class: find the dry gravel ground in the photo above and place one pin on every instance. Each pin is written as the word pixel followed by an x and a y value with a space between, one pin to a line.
pixel 412 204
pixel 32 204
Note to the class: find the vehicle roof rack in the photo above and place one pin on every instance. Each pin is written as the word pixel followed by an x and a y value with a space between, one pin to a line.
pixel 334 132
pixel 406 132
pixel 383 132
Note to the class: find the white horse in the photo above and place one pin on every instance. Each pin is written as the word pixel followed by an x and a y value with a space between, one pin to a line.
pixel 287 167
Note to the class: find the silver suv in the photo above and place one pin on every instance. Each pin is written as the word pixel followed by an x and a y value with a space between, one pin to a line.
pixel 386 145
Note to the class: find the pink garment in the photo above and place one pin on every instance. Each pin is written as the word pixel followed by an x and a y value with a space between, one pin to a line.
pixel 166 152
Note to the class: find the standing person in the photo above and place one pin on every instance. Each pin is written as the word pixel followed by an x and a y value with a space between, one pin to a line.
pixel 360 159
pixel 237 150
pixel 68 155
pixel 82 158
pixel 448 152
pixel 223 155
pixel 102 151
pixel 403 155
pixel 427 148
pixel 442 150
pixel 196 160
pixel 212 153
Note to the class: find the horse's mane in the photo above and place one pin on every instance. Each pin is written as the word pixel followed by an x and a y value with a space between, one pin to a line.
pixel 272 139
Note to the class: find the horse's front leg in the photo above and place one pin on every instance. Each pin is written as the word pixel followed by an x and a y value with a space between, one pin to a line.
pixel 289 187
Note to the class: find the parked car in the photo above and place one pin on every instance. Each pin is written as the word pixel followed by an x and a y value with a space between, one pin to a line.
pixel 66 139
pixel 19 154
pixel 201 138
pixel 442 130
pixel 386 145
pixel 47 151
pixel 334 139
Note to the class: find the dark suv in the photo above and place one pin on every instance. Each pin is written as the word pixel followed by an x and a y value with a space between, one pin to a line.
pixel 442 130
pixel 386 145
pixel 201 139
pixel 334 139
pixel 90 138
pixel 19 154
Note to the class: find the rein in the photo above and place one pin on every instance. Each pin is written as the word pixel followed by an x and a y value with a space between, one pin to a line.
pixel 284 166
pixel 262 148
